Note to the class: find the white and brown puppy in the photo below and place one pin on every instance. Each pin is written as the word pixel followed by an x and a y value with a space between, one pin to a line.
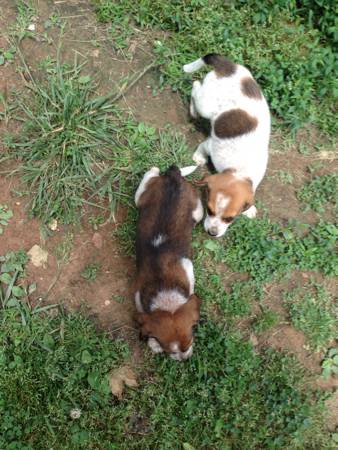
pixel 238 145
pixel 169 207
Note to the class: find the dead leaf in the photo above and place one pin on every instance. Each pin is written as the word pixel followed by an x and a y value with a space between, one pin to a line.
pixel 38 256
pixel 119 378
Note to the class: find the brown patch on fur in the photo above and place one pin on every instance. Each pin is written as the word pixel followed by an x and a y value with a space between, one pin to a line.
pixel 250 88
pixel 223 67
pixel 239 192
pixel 167 327
pixel 165 208
pixel 234 123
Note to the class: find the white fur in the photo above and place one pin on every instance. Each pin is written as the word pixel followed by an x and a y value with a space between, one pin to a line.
pixel 198 212
pixel 154 345
pixel 159 239
pixel 153 172
pixel 168 300
pixel 195 65
pixel 181 356
pixel 248 154
pixel 251 213
pixel 189 270
pixel 185 171
pixel 215 226
pixel 138 302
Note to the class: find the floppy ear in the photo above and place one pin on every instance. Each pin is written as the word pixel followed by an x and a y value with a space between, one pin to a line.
pixel 191 309
pixel 144 320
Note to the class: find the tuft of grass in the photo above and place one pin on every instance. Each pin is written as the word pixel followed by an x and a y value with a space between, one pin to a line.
pixel 330 363
pixel 287 58
pixel 268 319
pixel 67 143
pixel 90 272
pixel 317 193
pixel 5 215
pixel 314 312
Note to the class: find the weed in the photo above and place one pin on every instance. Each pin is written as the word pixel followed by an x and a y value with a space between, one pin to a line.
pixel 330 363
pixel 95 221
pixel 314 312
pixel 285 177
pixel 320 191
pixel 5 215
pixel 295 84
pixel 25 14
pixel 90 272
pixel 63 249
pixel 268 319
pixel 7 55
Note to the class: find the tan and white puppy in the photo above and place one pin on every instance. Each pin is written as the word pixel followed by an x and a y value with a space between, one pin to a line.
pixel 169 207
pixel 238 145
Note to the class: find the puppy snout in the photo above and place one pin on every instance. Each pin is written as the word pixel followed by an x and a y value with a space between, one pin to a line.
pixel 213 231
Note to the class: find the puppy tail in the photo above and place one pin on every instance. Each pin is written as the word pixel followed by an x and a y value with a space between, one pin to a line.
pixel 221 64
pixel 185 171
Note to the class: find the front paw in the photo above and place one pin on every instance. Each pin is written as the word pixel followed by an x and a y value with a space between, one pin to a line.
pixel 251 213
pixel 199 159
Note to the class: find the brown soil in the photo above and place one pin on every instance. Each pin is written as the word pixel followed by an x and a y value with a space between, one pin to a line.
pixel 109 296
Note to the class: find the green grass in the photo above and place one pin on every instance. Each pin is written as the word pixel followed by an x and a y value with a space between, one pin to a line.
pixel 5 216
pixel 313 311
pixel 76 148
pixel 91 271
pixel 287 57
pixel 54 389
pixel 265 321
pixel 319 192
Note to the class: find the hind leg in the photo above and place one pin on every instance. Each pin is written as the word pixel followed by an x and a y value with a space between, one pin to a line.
pixel 201 154
pixel 153 172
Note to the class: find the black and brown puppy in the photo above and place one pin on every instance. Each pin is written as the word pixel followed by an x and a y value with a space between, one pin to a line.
pixel 169 207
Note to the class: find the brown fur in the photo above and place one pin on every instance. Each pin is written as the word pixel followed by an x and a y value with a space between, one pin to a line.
pixel 250 88
pixel 239 192
pixel 223 67
pixel 234 123
pixel 167 327
pixel 166 208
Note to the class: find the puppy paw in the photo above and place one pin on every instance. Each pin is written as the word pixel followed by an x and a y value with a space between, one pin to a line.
pixel 154 346
pixel 251 212
pixel 199 159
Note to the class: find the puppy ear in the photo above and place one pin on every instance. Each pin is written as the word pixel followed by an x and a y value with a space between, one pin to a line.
pixel 191 309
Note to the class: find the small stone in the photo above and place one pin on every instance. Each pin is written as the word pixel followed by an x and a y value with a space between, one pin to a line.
pixel 96 53
pixel 107 302
pixel 75 413
pixel 38 256
pixel 53 225
pixel 31 27
pixel 97 240
pixel 18 203
pixel 253 339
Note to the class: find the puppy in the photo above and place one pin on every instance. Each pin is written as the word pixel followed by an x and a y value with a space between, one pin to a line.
pixel 238 145
pixel 168 309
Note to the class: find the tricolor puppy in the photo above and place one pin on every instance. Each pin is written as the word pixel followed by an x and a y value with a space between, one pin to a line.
pixel 238 145
pixel 168 309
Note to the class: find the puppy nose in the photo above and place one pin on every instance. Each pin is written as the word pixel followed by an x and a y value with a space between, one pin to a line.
pixel 213 231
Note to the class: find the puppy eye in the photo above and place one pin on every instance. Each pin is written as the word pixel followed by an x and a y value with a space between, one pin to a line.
pixel 228 219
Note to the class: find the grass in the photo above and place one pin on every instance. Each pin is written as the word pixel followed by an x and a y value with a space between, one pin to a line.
pixel 54 388
pixel 313 311
pixel 91 271
pixel 330 363
pixel 287 58
pixel 265 321
pixel 319 193
pixel 5 215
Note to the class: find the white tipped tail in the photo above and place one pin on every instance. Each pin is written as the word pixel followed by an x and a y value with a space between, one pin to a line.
pixel 185 171
pixel 194 66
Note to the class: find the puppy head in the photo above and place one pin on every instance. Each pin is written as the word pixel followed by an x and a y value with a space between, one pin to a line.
pixel 228 196
pixel 172 332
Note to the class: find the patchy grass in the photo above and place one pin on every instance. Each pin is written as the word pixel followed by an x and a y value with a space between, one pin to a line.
pixel 330 363
pixel 55 392
pixel 319 192
pixel 287 58
pixel 313 311
pixel 268 319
